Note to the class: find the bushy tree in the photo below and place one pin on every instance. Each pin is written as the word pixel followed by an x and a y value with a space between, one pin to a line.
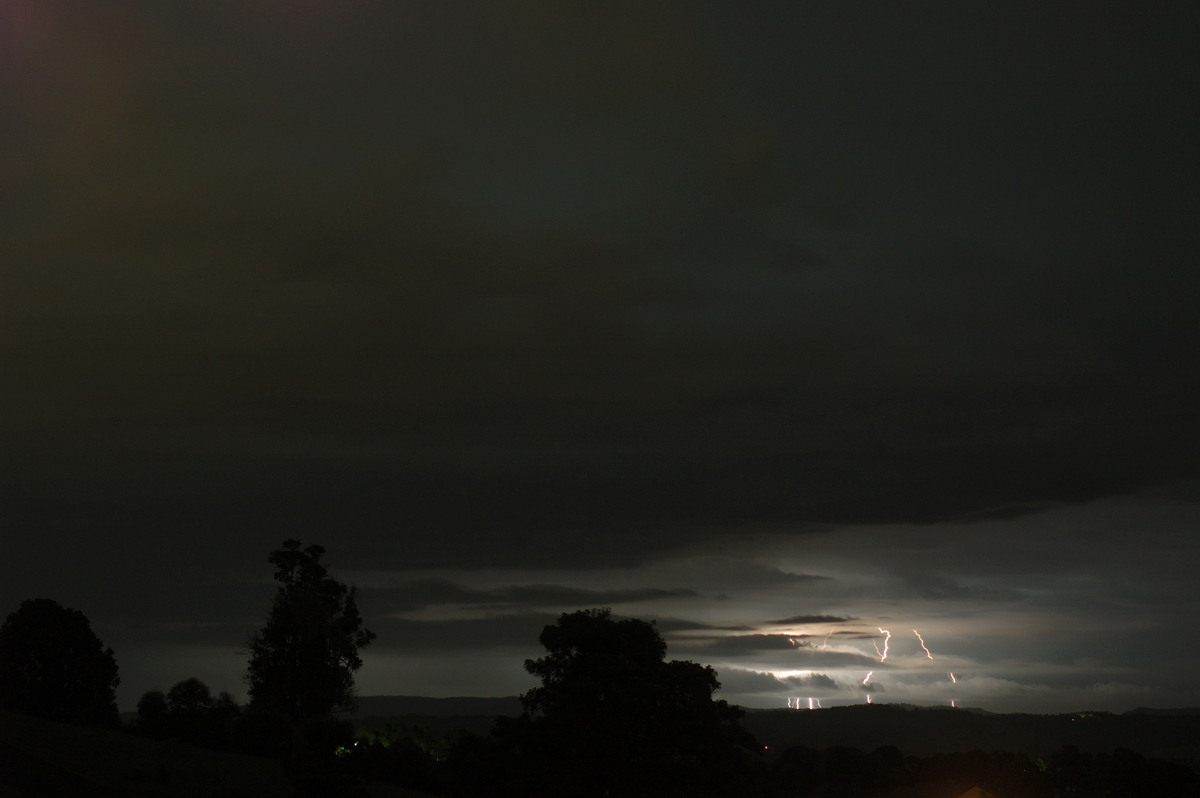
pixel 189 712
pixel 189 697
pixel 613 717
pixel 53 665
pixel 225 715
pixel 153 719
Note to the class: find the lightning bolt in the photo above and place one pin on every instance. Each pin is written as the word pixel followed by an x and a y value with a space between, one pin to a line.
pixel 867 678
pixel 825 644
pixel 886 637
pixel 810 703
pixel 922 641
pixel 953 678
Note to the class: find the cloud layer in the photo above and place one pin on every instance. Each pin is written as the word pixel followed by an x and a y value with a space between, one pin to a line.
pixel 519 308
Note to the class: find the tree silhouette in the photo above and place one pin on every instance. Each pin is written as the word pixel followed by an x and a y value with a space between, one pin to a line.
pixel 612 717
pixel 303 661
pixel 53 665
pixel 189 697
pixel 153 719
pixel 188 711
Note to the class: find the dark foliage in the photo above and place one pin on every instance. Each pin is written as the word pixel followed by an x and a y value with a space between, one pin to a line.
pixel 302 662
pixel 152 714
pixel 53 665
pixel 397 755
pixel 318 764
pixel 189 698
pixel 301 670
pixel 189 712
pixel 611 718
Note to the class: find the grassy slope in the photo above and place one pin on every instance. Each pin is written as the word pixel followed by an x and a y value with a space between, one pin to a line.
pixel 43 758
pixel 923 732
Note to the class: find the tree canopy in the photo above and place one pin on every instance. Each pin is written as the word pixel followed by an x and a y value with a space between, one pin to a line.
pixel 188 711
pixel 302 661
pixel 53 665
pixel 612 716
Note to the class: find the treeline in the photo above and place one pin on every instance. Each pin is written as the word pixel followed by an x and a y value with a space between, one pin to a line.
pixel 300 676
pixel 511 761
pixel 612 716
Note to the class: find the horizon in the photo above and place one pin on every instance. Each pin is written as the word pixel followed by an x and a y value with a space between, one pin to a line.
pixel 883 705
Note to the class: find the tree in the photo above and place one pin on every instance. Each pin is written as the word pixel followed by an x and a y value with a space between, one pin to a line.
pixel 53 665
pixel 303 660
pixel 612 717
pixel 302 665
pixel 189 698
pixel 226 717
pixel 189 712
pixel 153 719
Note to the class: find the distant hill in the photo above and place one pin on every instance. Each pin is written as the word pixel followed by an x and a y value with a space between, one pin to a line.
pixel 1152 711
pixel 47 759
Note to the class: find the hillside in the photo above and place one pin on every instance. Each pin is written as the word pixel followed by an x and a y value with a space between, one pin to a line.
pixel 1173 736
pixel 1170 734
pixel 43 759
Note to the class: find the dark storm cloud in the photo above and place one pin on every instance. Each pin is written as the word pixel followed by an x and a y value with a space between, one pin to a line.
pixel 423 593
pixel 669 625
pixel 758 575
pixel 656 287
pixel 124 635
pixel 737 645
pixel 807 619
pixel 940 588
pixel 483 285
pixel 781 576
pixel 495 630
pixel 778 651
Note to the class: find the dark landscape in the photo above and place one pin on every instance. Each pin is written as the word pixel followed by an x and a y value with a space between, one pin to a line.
pixel 43 758
pixel 611 716
pixel 756 400
pixel 1170 734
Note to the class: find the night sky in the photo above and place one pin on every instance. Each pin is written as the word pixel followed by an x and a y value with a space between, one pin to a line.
pixel 782 323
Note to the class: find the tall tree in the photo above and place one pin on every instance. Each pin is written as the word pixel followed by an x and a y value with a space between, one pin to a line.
pixel 53 665
pixel 302 661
